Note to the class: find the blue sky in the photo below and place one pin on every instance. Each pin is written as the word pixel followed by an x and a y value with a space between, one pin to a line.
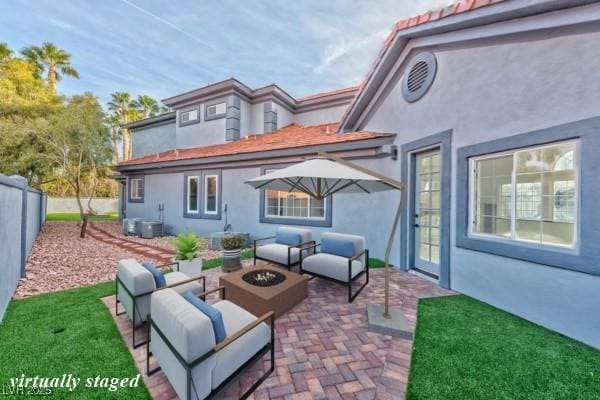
pixel 162 48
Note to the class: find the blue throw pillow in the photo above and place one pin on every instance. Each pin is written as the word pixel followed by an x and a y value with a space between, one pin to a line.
pixel 215 316
pixel 339 247
pixel 288 238
pixel 159 276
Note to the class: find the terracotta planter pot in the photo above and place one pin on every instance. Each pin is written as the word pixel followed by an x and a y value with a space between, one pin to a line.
pixel 231 260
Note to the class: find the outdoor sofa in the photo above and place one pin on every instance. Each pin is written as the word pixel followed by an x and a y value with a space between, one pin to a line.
pixel 285 251
pixel 200 352
pixel 342 258
pixel 135 283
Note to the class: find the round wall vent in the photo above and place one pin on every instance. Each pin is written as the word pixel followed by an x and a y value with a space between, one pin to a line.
pixel 419 76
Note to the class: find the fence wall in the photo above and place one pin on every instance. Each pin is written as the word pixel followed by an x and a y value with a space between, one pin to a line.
pixel 22 213
pixel 69 204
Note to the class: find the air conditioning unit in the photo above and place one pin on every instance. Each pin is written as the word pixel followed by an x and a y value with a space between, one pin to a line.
pixel 131 226
pixel 150 229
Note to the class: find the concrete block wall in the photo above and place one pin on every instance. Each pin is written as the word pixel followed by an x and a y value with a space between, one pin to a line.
pixel 22 213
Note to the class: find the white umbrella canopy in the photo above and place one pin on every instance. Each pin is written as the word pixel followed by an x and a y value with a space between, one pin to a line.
pixel 322 177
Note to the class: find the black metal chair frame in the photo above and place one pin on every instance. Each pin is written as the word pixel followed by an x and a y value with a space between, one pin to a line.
pixel 365 270
pixel 269 347
pixel 133 327
pixel 289 265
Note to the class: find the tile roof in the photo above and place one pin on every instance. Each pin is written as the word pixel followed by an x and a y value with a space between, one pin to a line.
pixel 291 136
pixel 458 7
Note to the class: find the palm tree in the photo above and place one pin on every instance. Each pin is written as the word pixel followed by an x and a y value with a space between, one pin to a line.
pixel 121 105
pixel 55 61
pixel 5 51
pixel 114 125
pixel 146 105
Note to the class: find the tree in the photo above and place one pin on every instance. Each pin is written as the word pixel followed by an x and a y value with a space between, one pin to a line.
pixel 5 51
pixel 50 58
pixel 121 106
pixel 79 149
pixel 146 105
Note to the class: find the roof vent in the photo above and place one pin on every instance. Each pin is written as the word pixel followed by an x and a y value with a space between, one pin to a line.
pixel 420 76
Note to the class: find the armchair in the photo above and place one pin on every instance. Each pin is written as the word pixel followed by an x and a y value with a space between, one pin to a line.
pixel 183 342
pixel 343 258
pixel 134 285
pixel 287 248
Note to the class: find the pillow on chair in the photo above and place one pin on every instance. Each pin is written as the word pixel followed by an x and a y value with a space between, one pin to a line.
pixel 288 238
pixel 215 316
pixel 159 276
pixel 338 247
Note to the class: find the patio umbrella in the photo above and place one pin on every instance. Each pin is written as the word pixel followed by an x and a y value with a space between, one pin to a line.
pixel 328 174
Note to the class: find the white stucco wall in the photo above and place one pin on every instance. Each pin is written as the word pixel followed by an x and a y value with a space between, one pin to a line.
pixel 493 91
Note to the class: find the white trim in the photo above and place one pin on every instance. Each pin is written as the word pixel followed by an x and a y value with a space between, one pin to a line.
pixel 513 216
pixel 205 194
pixel 187 200
pixel 135 184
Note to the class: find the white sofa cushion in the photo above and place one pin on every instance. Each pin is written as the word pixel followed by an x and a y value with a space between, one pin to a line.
pixel 191 334
pixel 278 253
pixel 137 280
pixel 330 265
pixel 176 277
pixel 241 350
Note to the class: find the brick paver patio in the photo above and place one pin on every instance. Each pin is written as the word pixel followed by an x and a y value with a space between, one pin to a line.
pixel 323 348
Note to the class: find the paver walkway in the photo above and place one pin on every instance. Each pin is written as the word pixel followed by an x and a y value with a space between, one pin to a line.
pixel 323 348
pixel 162 255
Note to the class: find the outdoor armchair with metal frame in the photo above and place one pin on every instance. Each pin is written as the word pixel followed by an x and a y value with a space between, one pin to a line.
pixel 269 347
pixel 289 264
pixel 147 293
pixel 351 279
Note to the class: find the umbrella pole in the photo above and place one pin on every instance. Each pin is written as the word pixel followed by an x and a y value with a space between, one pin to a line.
pixel 388 250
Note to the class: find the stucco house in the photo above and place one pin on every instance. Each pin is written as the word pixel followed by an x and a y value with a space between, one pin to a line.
pixel 489 110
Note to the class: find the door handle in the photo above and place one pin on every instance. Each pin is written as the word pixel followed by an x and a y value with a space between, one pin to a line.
pixel 416 225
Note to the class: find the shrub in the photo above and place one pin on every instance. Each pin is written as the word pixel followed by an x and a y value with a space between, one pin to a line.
pixel 232 242
pixel 187 245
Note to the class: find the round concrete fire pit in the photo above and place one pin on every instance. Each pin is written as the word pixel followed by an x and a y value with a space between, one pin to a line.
pixel 263 278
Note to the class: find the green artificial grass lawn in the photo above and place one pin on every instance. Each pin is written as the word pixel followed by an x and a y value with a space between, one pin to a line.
pixel 465 349
pixel 77 217
pixel 67 332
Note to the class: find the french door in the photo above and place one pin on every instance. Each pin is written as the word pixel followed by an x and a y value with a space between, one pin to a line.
pixel 427 208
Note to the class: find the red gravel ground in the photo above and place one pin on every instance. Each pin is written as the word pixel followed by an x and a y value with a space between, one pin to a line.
pixel 61 260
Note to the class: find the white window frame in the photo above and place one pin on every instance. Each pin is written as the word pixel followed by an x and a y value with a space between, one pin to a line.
pixel 513 239
pixel 208 107
pixel 309 218
pixel 187 200
pixel 205 194
pixel 135 184
pixel 181 114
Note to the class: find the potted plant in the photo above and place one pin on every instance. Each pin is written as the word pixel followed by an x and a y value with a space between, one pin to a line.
pixel 232 248
pixel 187 246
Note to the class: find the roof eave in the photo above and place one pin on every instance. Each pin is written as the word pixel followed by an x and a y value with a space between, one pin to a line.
pixel 257 155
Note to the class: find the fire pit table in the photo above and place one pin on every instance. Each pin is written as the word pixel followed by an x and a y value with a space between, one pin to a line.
pixel 264 288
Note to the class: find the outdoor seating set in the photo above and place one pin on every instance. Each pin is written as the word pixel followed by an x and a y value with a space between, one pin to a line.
pixel 203 347
pixel 342 258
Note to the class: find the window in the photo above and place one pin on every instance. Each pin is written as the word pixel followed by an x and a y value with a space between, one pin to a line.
pixel 215 110
pixel 136 190
pixel 210 194
pixel 293 205
pixel 528 195
pixel 192 194
pixel 189 117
